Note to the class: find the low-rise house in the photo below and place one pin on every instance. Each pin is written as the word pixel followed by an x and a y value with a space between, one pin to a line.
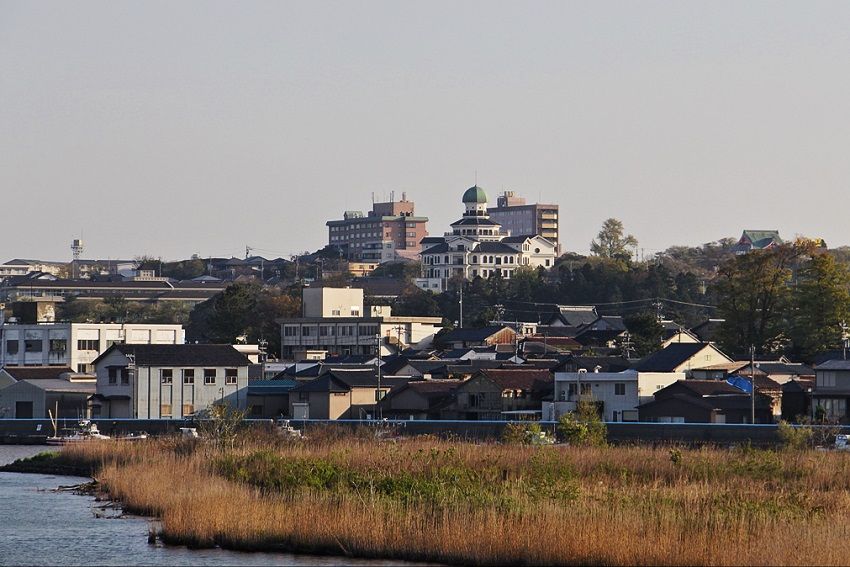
pixel 27 399
pixel 797 399
pixel 617 395
pixel 832 390
pixel 682 357
pixel 420 399
pixel 168 381
pixel 757 240
pixel 704 401
pixel 500 394
pixel 269 399
pixel 478 337
pixel 340 394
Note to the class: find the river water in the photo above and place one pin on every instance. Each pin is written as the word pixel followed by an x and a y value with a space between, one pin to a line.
pixel 42 526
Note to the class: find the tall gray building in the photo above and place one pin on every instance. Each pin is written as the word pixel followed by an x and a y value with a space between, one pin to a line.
pixel 519 218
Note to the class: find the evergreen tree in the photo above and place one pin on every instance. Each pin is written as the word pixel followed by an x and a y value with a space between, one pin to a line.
pixel 820 304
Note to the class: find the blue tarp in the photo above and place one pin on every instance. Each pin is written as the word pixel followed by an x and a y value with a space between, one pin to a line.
pixel 740 382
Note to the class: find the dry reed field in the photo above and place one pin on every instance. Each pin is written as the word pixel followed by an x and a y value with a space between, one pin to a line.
pixel 460 502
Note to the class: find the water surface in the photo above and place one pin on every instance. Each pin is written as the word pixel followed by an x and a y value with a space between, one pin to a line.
pixel 42 526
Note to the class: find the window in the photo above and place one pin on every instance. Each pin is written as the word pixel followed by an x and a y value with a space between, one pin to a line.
pixel 188 409
pixel 165 410
pixel 88 344
pixel 290 331
pixel 113 374
pixel 619 389
pixel 305 331
pixel 125 375
pixel 826 379
pixel 335 312
pixel 230 376
pixel 32 345
pixel 355 311
pixel 166 375
pixel 209 376
pixel 58 345
pixel 83 368
pixel 188 377
pixel 12 346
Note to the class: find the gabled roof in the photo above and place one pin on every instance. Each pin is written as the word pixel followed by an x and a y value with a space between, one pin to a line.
pixel 517 379
pixel 473 334
pixel 707 330
pixel 192 355
pixel 839 364
pixel 475 221
pixel 701 387
pixel 670 357
pixel 37 372
pixel 57 385
pixel 761 238
pixel 576 315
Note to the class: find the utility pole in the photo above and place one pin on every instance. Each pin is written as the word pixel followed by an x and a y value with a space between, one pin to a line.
pixel 378 410
pixel 460 320
pixel 753 384
pixel 845 338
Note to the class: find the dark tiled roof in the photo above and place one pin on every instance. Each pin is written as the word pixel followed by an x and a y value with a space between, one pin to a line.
pixel 707 330
pixel 436 249
pixel 475 334
pixel 37 372
pixel 605 363
pixel 494 248
pixel 793 368
pixel 670 357
pixel 704 387
pixel 474 221
pixel 518 379
pixel 181 355
pixel 834 365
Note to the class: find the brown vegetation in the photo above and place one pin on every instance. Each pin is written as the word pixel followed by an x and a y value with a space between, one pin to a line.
pixel 458 502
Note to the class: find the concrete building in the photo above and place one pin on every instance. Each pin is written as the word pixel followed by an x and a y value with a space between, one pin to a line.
pixel 519 218
pixel 478 247
pixel 168 381
pixel 390 231
pixel 76 344
pixel 335 322
pixel 616 394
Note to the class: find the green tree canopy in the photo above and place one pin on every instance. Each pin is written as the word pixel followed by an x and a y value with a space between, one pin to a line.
pixel 611 242
pixel 820 304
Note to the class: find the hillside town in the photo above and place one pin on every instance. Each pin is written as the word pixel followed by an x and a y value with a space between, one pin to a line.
pixel 490 321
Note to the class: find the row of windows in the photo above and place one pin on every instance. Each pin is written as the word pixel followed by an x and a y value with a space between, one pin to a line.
pixel 586 390
pixel 36 345
pixel 329 330
pixel 231 376
pixel 165 410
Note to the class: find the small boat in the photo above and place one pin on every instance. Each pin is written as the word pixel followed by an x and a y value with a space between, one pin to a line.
pixel 85 431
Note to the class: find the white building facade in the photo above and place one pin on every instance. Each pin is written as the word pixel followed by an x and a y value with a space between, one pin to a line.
pixel 618 393
pixel 76 344
pixel 478 247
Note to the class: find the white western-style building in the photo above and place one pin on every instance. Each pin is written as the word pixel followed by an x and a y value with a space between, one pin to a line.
pixel 477 247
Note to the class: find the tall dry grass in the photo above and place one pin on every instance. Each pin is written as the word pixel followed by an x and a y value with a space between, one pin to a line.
pixel 459 502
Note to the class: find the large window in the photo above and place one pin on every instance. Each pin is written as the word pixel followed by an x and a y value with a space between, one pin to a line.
pixel 209 376
pixel 166 375
pixel 290 331
pixel 125 375
pixel 88 344
pixel 58 345
pixel 112 372
pixel 188 377
pixel 230 376
pixel 32 345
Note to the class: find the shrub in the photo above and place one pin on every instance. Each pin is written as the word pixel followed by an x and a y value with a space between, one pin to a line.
pixel 795 438
pixel 583 427
pixel 525 434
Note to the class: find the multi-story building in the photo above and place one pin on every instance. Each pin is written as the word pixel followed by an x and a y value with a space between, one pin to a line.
pixel 335 322
pixel 390 231
pixel 75 345
pixel 519 218
pixel 168 381
pixel 478 246
pixel 138 288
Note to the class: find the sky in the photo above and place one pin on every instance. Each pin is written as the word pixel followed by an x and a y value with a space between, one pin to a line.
pixel 169 128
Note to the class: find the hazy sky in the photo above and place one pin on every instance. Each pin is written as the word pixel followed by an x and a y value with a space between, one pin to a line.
pixel 172 128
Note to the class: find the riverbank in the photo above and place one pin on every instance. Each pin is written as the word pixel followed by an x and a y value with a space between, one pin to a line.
pixel 426 499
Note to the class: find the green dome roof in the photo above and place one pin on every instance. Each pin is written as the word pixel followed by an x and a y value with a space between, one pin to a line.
pixel 475 194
